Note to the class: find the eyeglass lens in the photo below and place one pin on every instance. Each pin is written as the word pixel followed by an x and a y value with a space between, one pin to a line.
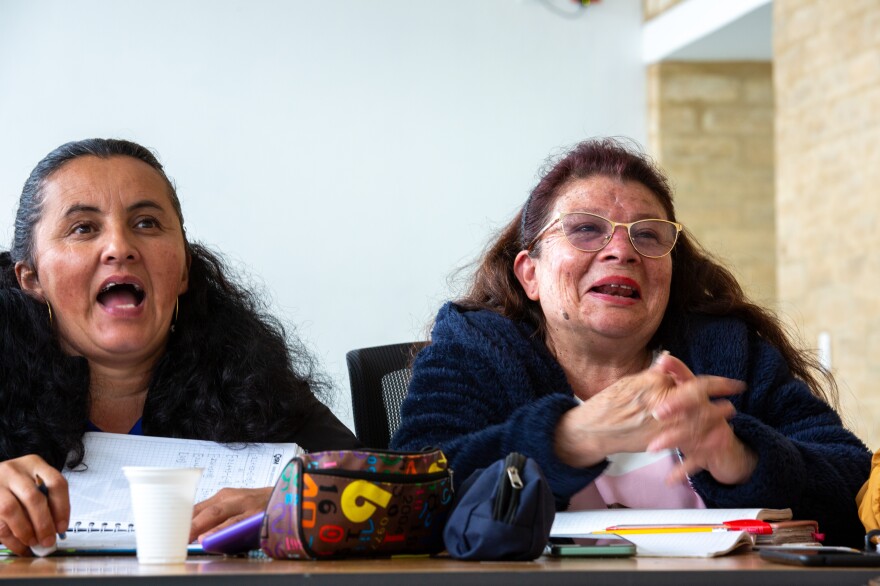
pixel 590 233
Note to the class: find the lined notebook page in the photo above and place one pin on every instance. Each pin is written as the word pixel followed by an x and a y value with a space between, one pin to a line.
pixel 99 495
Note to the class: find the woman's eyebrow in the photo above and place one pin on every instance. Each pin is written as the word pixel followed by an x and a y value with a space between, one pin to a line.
pixel 78 208
pixel 145 203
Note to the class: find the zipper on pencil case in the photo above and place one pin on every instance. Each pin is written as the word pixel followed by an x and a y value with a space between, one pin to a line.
pixel 510 487
pixel 379 476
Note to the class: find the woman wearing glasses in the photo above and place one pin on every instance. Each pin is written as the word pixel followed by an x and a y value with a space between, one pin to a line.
pixel 598 338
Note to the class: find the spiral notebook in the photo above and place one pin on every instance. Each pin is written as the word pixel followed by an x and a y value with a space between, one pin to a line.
pixel 101 518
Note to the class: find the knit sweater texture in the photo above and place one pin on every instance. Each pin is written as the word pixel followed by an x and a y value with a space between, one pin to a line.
pixel 487 386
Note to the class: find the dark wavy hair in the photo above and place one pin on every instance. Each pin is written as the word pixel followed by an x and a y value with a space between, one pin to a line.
pixel 700 284
pixel 230 372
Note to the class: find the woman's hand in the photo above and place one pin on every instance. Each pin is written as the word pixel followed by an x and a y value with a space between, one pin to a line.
pixel 27 516
pixel 699 426
pixel 617 419
pixel 228 506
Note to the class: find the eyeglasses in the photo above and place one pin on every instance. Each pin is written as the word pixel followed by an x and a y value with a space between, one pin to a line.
pixel 591 233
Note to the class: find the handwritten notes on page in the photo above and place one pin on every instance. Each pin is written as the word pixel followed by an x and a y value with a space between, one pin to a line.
pixel 99 495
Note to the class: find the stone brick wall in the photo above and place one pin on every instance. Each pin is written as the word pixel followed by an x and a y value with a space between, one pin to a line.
pixel 651 8
pixel 827 84
pixel 711 129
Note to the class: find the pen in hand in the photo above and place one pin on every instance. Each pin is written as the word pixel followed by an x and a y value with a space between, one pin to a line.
pixel 40 550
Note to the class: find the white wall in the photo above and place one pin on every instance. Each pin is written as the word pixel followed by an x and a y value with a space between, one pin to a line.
pixel 351 154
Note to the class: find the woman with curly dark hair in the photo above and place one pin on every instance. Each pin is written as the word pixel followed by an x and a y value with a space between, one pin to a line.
pixel 598 338
pixel 110 320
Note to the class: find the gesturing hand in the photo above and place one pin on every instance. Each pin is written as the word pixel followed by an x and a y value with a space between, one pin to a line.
pixel 696 421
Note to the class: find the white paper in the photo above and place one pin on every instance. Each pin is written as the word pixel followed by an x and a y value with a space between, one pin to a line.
pixel 702 544
pixel 99 496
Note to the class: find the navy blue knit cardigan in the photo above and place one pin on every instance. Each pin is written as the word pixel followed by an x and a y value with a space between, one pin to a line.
pixel 487 386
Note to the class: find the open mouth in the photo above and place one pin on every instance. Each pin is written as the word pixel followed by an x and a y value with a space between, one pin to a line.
pixel 121 295
pixel 618 291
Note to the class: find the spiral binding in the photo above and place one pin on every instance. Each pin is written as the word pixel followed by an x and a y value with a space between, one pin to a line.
pixel 92 527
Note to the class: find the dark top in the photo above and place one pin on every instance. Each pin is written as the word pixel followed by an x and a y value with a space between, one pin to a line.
pixel 487 386
pixel 44 396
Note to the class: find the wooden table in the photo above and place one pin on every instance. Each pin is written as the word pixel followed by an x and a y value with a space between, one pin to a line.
pixel 740 570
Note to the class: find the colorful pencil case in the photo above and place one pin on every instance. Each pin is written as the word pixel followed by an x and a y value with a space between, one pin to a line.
pixel 340 504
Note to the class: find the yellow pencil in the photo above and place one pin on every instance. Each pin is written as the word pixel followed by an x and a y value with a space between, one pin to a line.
pixel 652 530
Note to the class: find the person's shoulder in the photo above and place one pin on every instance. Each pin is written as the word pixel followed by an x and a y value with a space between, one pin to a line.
pixel 702 325
pixel 459 320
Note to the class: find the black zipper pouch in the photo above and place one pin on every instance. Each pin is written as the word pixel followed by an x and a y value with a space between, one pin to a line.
pixel 503 512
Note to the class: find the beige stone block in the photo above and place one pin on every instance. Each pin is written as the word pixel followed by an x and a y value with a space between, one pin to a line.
pixel 701 148
pixel 738 120
pixel 678 119
pixel 863 69
pixel 759 90
pixel 794 20
pixel 701 88
pixel 758 151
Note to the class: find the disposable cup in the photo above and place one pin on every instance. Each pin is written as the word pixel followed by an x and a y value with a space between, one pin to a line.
pixel 162 502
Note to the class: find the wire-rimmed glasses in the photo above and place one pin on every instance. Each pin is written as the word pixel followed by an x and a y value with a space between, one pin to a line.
pixel 652 238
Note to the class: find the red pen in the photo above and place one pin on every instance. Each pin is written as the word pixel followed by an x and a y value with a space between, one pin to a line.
pixel 754 526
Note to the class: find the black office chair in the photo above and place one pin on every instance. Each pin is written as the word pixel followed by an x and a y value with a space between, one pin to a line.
pixel 379 378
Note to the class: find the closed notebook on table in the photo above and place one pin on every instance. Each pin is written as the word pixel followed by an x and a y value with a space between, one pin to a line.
pixel 787 532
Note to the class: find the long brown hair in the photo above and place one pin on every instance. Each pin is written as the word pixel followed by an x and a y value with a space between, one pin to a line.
pixel 700 284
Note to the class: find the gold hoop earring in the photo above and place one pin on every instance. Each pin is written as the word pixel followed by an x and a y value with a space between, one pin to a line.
pixel 50 311
pixel 176 312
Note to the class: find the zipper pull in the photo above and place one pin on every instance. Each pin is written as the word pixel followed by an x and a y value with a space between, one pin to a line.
pixel 515 480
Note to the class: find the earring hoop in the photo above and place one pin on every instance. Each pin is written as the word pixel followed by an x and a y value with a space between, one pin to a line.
pixel 176 312
pixel 50 311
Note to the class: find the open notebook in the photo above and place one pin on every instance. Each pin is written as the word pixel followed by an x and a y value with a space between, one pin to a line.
pixel 101 517
pixel 574 524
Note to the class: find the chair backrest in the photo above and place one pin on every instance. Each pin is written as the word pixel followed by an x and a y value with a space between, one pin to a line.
pixel 379 378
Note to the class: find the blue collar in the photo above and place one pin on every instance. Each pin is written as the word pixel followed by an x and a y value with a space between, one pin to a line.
pixel 137 428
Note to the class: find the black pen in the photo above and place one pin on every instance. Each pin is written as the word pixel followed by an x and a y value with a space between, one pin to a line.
pixel 39 550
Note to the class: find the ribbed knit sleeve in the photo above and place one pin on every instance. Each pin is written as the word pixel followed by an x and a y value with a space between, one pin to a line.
pixel 486 387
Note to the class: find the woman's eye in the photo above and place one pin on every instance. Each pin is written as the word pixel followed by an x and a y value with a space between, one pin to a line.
pixel 647 235
pixel 147 223
pixel 82 229
pixel 585 228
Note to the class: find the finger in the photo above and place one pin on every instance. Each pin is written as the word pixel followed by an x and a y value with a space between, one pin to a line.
pixel 13 544
pixel 224 524
pixel 209 516
pixel 14 519
pixel 36 505
pixel 695 394
pixel 59 499
pixel 672 366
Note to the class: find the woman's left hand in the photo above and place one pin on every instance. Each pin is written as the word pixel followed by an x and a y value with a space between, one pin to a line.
pixel 699 427
pixel 228 506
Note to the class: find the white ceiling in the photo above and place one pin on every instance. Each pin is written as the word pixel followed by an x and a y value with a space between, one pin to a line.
pixel 711 30
pixel 749 38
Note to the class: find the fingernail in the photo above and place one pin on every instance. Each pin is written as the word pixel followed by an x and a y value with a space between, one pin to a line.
pixel 659 356
pixel 48 541
pixel 62 535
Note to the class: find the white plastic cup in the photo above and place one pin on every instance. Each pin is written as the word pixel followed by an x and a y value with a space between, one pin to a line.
pixel 162 501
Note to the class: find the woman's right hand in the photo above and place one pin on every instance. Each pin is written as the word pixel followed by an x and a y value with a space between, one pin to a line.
pixel 616 419
pixel 621 417
pixel 27 516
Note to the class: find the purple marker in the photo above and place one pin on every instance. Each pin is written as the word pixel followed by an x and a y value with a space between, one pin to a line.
pixel 239 537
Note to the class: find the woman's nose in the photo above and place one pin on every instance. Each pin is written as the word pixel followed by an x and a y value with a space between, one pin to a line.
pixel 119 246
pixel 619 245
